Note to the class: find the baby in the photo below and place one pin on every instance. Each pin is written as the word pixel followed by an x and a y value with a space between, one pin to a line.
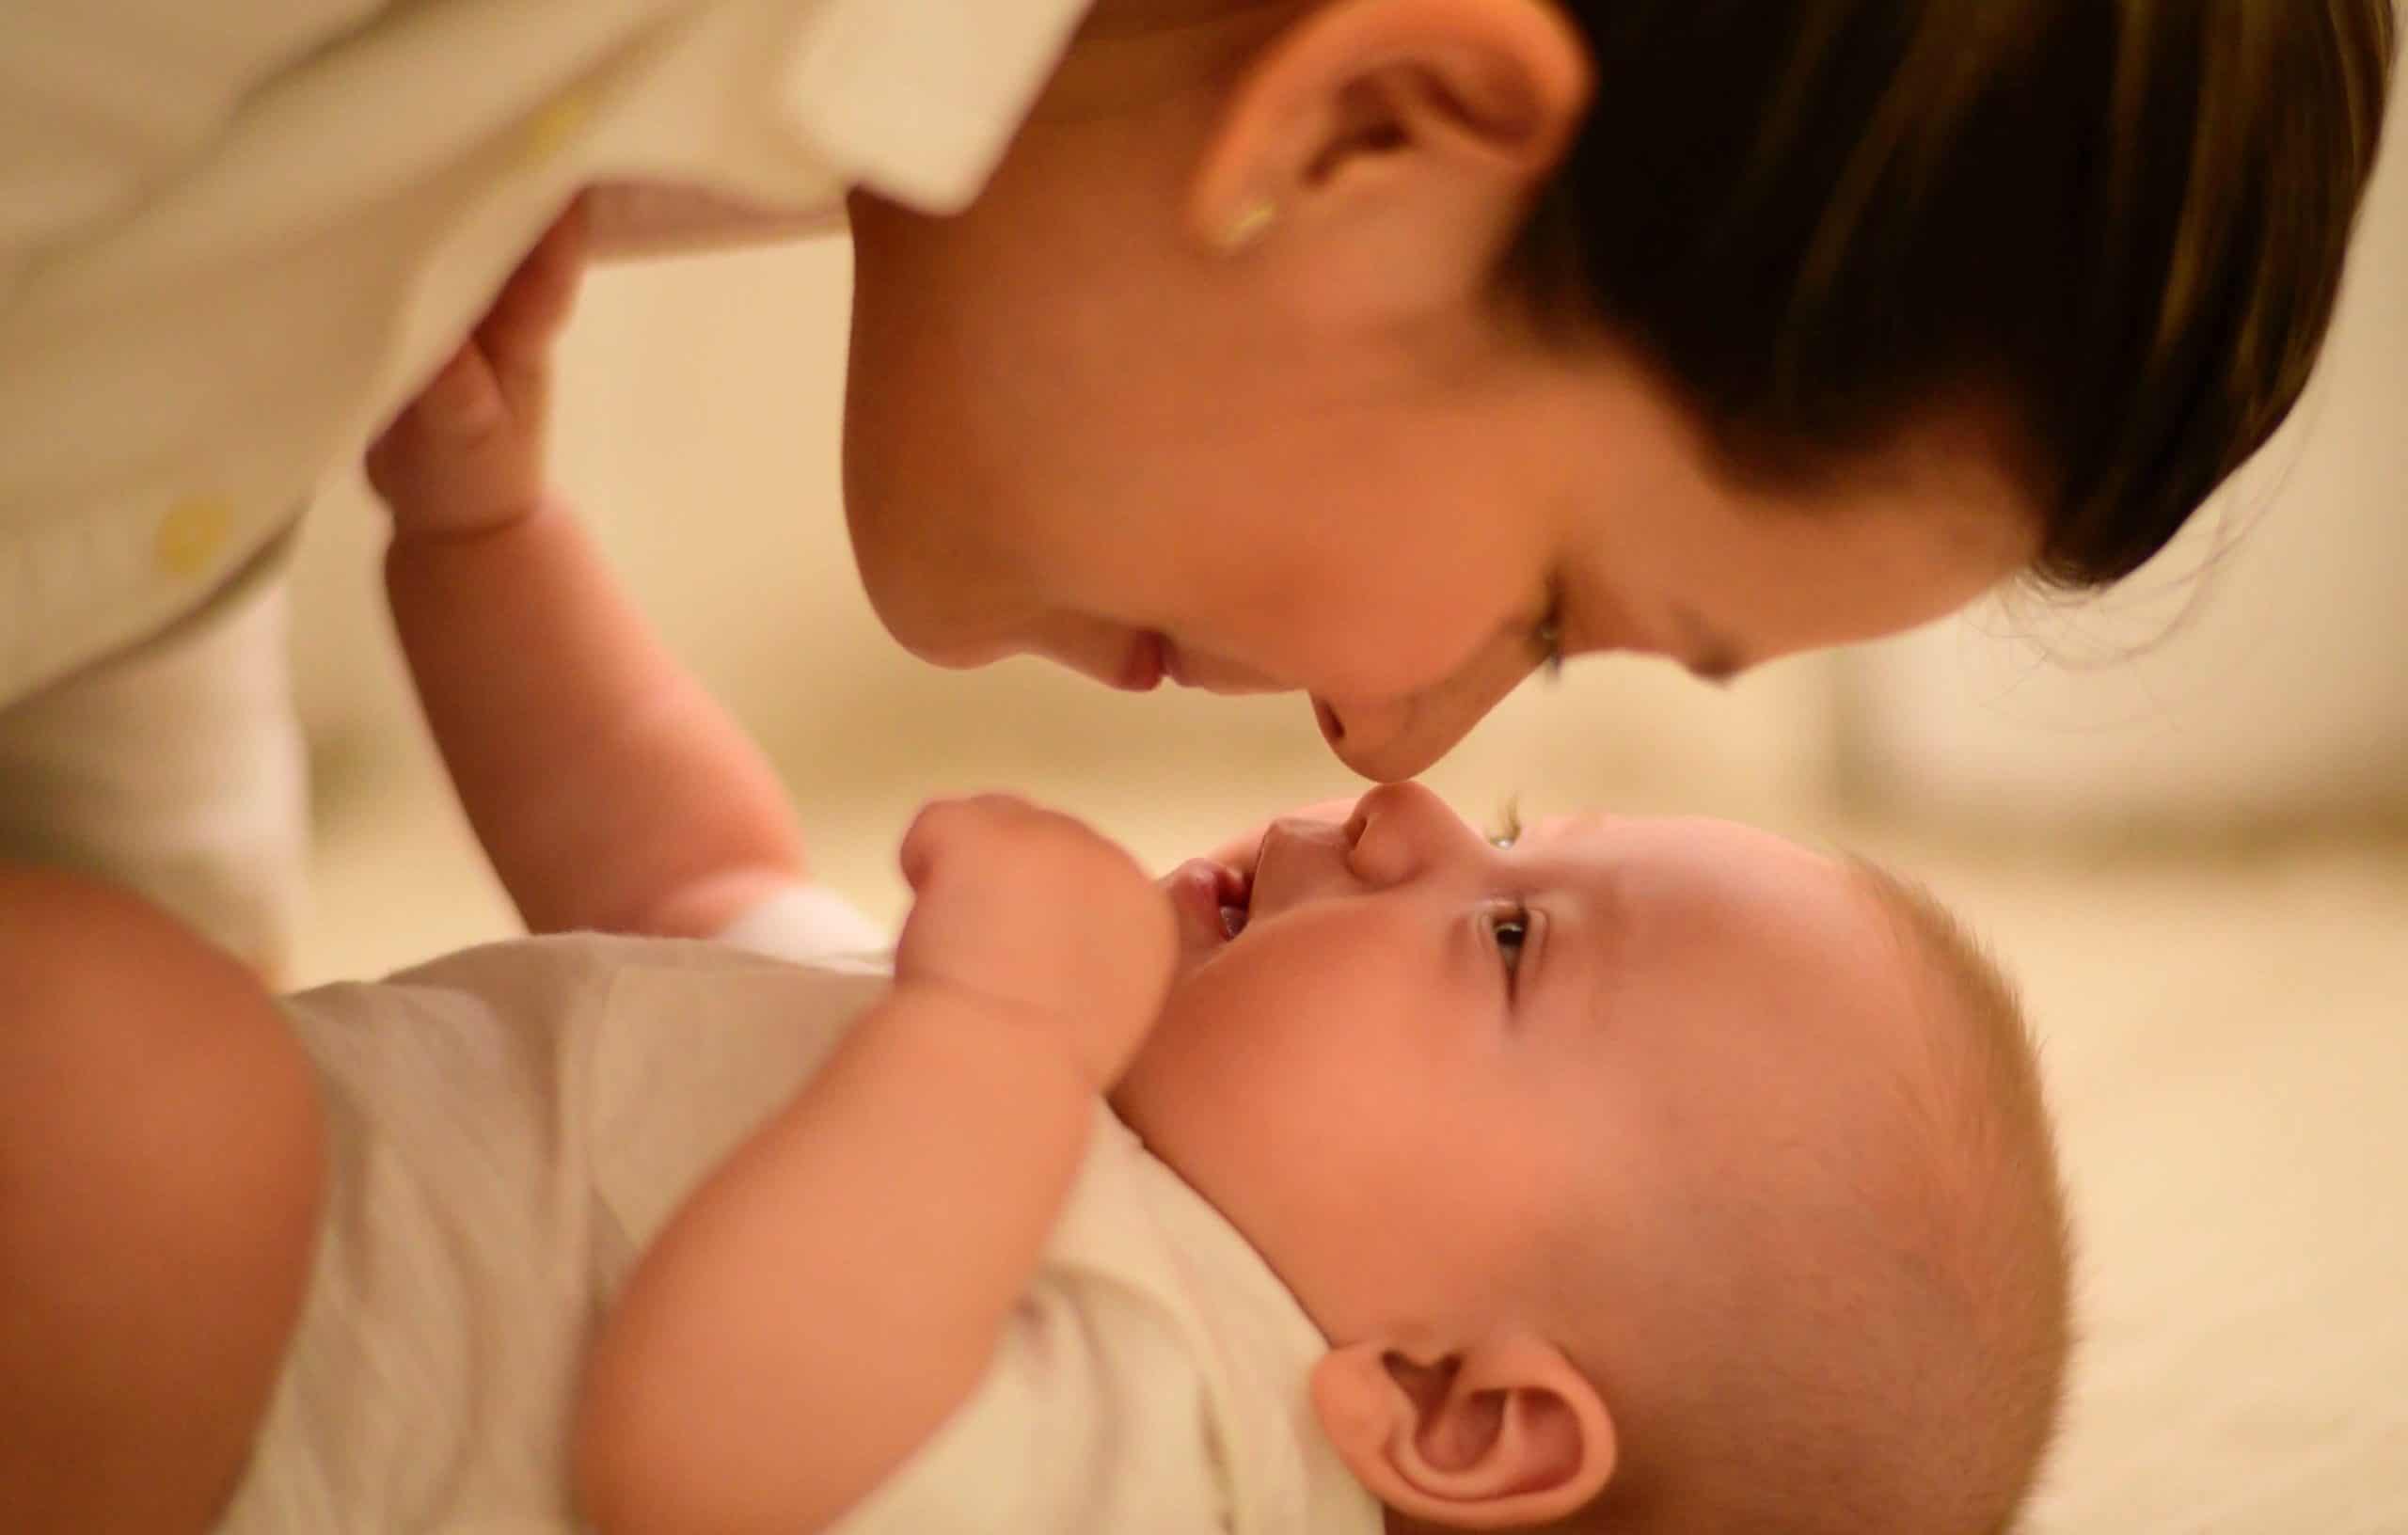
pixel 1620 1175
pixel 1639 1175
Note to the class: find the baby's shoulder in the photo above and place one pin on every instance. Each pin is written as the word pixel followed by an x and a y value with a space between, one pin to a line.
pixel 542 992
pixel 550 968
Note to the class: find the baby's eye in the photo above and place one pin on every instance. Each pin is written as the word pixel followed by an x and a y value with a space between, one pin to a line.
pixel 1510 928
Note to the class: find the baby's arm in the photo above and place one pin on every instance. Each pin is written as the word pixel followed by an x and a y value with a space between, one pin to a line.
pixel 837 1288
pixel 608 789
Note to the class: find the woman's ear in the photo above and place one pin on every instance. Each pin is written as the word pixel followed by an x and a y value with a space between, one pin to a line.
pixel 1505 1433
pixel 1381 154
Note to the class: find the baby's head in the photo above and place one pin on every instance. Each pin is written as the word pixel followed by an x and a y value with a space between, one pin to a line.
pixel 1643 1175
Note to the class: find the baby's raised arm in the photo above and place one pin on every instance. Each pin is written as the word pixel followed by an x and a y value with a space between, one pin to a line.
pixel 836 1289
pixel 608 789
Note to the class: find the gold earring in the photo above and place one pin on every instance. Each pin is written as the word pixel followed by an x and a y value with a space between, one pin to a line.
pixel 1248 224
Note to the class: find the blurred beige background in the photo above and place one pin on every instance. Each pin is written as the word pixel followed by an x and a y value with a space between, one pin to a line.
pixel 2191 854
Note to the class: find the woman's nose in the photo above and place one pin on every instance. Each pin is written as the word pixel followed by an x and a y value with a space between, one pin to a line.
pixel 1400 830
pixel 1395 738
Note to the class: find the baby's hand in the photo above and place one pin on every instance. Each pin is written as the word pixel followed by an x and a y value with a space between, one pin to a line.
pixel 467 456
pixel 1030 912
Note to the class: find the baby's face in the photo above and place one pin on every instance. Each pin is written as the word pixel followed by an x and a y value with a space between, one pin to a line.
pixel 1422 1051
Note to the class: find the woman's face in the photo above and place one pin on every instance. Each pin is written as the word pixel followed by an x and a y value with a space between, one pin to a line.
pixel 1398 547
pixel 1331 463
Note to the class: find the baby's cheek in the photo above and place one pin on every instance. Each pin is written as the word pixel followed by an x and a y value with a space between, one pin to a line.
pixel 1212 1051
pixel 1496 1174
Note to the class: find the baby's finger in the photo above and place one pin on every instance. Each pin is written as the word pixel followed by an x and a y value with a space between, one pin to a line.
pixel 928 831
pixel 461 406
pixel 527 313
pixel 462 400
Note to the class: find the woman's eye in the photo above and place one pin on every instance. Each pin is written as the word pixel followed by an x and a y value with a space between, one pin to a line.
pixel 1548 639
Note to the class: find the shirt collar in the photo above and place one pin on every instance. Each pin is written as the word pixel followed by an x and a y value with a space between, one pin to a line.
pixel 918 99
pixel 1256 1351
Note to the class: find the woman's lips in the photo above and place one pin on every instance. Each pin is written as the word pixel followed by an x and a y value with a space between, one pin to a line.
pixel 1152 660
pixel 1153 657
pixel 1143 669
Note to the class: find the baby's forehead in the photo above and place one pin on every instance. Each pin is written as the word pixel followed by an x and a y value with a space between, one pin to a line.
pixel 1716 909
pixel 1695 849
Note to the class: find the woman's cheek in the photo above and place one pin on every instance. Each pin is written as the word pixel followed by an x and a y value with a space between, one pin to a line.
pixel 1396 658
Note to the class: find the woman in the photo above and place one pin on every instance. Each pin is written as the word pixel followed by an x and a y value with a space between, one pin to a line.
pixel 1380 350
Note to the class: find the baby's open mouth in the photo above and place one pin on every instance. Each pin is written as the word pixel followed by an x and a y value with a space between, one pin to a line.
pixel 1233 898
pixel 1214 901
pixel 1234 910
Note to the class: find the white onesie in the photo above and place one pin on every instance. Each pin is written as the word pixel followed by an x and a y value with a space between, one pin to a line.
pixel 509 1126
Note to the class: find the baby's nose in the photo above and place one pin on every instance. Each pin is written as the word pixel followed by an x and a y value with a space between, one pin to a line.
pixel 1398 831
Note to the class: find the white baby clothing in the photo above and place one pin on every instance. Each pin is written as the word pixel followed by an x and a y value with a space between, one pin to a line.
pixel 178 769
pixel 235 237
pixel 510 1127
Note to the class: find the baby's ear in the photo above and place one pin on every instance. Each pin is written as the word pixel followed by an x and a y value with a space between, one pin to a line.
pixel 1505 1433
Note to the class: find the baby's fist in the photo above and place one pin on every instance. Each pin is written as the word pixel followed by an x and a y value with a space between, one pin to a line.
pixel 1030 912
pixel 468 455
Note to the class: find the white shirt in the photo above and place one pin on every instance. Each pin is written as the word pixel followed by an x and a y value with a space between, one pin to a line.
pixel 511 1126
pixel 237 236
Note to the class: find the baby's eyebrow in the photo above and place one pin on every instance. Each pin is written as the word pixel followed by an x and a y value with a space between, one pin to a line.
pixel 1548 826
pixel 1507 830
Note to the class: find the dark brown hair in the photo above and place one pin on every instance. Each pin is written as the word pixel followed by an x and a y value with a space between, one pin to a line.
pixel 2120 224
